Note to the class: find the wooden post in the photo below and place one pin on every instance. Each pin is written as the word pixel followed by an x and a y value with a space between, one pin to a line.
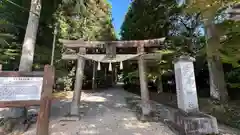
pixel 105 73
pixel 94 76
pixel 78 84
pixel 116 76
pixel 45 103
pixel 159 84
pixel 0 67
pixel 143 83
pixel 113 74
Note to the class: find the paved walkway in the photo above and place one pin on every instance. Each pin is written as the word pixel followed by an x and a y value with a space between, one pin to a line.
pixel 109 112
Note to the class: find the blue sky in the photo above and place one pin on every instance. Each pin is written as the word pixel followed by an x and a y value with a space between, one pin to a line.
pixel 119 9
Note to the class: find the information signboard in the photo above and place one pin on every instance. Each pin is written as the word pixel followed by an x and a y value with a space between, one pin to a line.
pixel 20 88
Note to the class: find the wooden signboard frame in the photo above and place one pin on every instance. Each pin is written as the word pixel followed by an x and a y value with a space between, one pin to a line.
pixel 44 102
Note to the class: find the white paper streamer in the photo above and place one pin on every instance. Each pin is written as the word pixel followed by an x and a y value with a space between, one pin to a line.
pixel 99 66
pixel 121 65
pixel 110 66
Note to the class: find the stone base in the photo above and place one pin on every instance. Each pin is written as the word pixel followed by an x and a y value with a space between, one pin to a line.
pixel 196 123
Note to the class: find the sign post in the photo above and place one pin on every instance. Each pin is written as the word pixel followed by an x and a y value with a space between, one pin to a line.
pixel 24 89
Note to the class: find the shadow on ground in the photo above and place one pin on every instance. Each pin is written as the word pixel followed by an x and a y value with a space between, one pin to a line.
pixel 159 112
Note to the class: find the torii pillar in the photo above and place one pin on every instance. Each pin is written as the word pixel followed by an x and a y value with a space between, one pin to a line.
pixel 74 110
pixel 145 105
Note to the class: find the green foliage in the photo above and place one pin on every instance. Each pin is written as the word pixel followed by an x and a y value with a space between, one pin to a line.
pixel 208 8
pixel 233 78
pixel 86 19
pixel 230 34
pixel 14 17
pixel 145 20
pixel 75 6
pixel 94 23
pixel 10 50
pixel 148 19
pixel 186 37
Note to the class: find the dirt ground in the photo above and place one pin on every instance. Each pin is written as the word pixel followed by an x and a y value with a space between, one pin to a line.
pixel 110 112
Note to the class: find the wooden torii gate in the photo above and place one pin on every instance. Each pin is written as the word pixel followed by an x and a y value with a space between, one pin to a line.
pixel 111 57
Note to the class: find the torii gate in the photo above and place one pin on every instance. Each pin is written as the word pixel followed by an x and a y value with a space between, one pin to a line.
pixel 111 57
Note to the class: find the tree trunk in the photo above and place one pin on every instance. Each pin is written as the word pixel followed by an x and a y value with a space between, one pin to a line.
pixel 217 83
pixel 146 108
pixel 218 88
pixel 78 85
pixel 28 47
pixel 30 37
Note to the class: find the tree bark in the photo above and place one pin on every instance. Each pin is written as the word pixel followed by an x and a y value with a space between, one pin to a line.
pixel 146 108
pixel 30 37
pixel 78 84
pixel 28 47
pixel 218 88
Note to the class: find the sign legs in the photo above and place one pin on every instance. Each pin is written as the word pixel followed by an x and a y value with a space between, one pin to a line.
pixel 45 103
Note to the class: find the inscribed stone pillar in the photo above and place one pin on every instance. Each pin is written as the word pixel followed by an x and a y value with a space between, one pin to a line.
pixel 78 84
pixel 185 84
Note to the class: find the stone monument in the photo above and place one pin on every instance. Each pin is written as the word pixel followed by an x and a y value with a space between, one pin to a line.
pixel 185 84
pixel 188 119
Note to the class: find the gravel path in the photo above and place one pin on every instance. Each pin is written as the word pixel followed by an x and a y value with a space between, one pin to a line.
pixel 103 113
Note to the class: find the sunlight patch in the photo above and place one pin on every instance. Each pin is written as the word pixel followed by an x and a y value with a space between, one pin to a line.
pixel 137 134
pixel 59 133
pixel 129 119
pixel 95 99
pixel 120 105
pixel 89 132
pixel 134 125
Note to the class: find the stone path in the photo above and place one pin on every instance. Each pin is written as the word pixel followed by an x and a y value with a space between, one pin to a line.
pixel 109 112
